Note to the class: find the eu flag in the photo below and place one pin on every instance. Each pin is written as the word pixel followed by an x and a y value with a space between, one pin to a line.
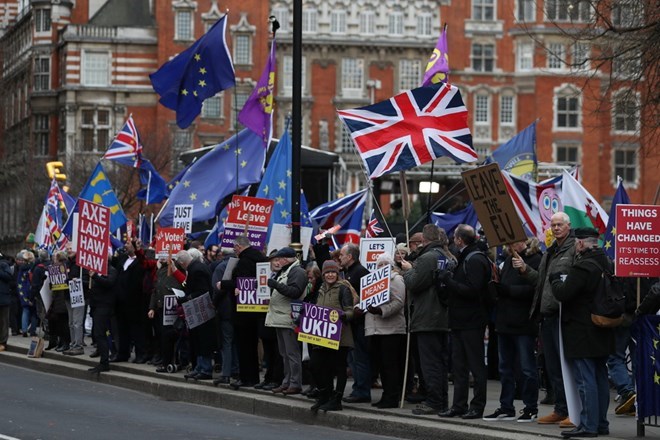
pixel 155 187
pixel 620 197
pixel 518 155
pixel 646 331
pixel 236 163
pixel 197 73
pixel 449 221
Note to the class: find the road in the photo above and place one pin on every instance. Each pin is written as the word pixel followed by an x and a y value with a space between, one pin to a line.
pixel 36 405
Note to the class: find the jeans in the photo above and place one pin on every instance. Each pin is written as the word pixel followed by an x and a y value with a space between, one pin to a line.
pixel 550 340
pixel 512 347
pixel 30 321
pixel 594 390
pixel 204 365
pixel 76 320
pixel 229 352
pixel 616 362
pixel 359 362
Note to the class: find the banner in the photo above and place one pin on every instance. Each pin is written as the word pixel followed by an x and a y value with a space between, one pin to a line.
pixel 371 248
pixel 263 274
pixel 247 300
pixel 169 241
pixel 169 309
pixel 76 293
pixel 320 326
pixel 57 277
pixel 646 331
pixel 375 287
pixel 637 241
pixel 183 218
pixel 248 216
pixel 198 310
pixel 93 237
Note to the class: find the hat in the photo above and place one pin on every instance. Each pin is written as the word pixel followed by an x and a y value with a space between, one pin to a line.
pixel 401 247
pixel 330 266
pixel 385 258
pixel 416 237
pixel 285 252
pixel 586 233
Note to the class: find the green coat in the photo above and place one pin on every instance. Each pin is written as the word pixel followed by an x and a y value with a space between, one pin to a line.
pixel 339 297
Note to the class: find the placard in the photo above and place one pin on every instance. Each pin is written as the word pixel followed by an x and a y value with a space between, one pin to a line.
pixel 248 216
pixel 169 309
pixel 375 287
pixel 93 237
pixel 169 241
pixel 637 241
pixel 183 215
pixel 263 274
pixel 246 300
pixel 36 348
pixel 493 205
pixel 198 310
pixel 57 277
pixel 371 248
pixel 320 326
pixel 76 293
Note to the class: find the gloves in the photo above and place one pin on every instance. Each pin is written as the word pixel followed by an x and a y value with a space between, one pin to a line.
pixel 554 276
pixel 375 310
pixel 272 283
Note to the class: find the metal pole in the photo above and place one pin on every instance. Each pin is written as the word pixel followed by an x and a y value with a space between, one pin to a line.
pixel 296 111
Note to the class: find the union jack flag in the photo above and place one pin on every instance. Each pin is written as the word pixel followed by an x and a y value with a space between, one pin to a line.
pixel 346 212
pixel 373 227
pixel 410 129
pixel 126 147
pixel 50 235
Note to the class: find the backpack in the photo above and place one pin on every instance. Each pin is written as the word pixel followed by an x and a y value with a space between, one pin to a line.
pixel 609 303
pixel 444 264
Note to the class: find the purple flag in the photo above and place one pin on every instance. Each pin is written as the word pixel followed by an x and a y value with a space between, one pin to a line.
pixel 437 69
pixel 257 113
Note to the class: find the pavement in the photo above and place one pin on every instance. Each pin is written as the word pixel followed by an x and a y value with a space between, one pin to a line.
pixel 363 417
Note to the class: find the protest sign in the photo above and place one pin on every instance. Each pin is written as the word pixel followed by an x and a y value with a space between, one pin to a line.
pixel 198 310
pixel 169 241
pixel 296 308
pixel 371 248
pixel 76 293
pixel 320 326
pixel 57 277
pixel 263 274
pixel 247 300
pixel 637 241
pixel 375 287
pixel 493 205
pixel 93 237
pixel 169 309
pixel 247 216
pixel 46 295
pixel 183 215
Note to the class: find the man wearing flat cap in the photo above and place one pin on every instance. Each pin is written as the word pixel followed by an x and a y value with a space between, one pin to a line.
pixel 586 346
pixel 287 285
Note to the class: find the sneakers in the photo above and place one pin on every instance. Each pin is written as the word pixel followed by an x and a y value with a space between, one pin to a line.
pixel 551 419
pixel 424 410
pixel 627 403
pixel 500 415
pixel 74 351
pixel 527 415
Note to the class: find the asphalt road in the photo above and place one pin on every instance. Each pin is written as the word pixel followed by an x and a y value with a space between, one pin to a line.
pixel 36 405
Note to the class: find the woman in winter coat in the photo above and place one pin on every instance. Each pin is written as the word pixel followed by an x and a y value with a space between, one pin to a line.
pixel 29 320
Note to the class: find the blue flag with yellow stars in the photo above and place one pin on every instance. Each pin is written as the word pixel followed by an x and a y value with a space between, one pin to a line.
pixel 620 197
pixel 646 331
pixel 177 179
pixel 236 163
pixel 154 186
pixel 197 73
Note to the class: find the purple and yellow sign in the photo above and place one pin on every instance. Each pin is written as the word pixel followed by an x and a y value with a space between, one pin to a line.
pixel 246 300
pixel 320 326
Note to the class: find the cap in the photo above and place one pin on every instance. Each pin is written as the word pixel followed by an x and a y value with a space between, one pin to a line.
pixel 285 252
pixel 586 233
pixel 330 266
pixel 416 237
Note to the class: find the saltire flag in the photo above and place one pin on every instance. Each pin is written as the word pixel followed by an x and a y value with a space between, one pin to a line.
pixel 197 73
pixel 449 221
pixel 346 212
pixel 257 112
pixel 518 155
pixel 410 129
pixel 373 227
pixel 620 198
pixel 155 187
pixel 535 202
pixel 646 331
pixel 69 202
pixel 582 208
pixel 126 147
pixel 437 69
pixel 214 176
pixel 276 185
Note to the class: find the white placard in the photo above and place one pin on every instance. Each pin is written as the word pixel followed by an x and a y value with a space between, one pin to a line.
pixel 46 293
pixel 375 287
pixel 371 248
pixel 169 309
pixel 263 274
pixel 183 215
pixel 198 310
pixel 231 264
pixel 76 293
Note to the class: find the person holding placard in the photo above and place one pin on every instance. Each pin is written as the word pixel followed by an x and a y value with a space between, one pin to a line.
pixel 76 314
pixel 58 316
pixel 102 301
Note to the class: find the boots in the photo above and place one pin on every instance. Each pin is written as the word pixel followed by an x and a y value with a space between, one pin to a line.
pixel 323 398
pixel 334 404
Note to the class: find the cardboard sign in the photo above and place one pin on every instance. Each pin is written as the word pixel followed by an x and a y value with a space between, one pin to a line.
pixel 169 309
pixel 76 293
pixel 198 310
pixel 637 241
pixel 57 277
pixel 130 230
pixel 375 287
pixel 320 326
pixel 169 241
pixel 93 237
pixel 371 248
pixel 263 274
pixel 36 348
pixel 493 205
pixel 247 300
pixel 248 216
pixel 183 215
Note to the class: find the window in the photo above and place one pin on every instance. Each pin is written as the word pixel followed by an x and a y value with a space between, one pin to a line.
pixel 282 16
pixel 346 142
pixel 483 10
pixel 556 56
pixel 627 64
pixel 242 49
pixel 352 76
pixel 287 75
pixel 567 109
pixel 212 107
pixel 568 10
pixel 96 70
pixel 628 13
pixel 525 56
pixel 395 26
pixel 338 22
pixel 42 20
pixel 506 110
pixel 483 57
pixel 41 135
pixel 568 154
pixel 367 22
pixel 626 113
pixel 42 73
pixel 410 74
pixel 425 24
pixel 237 105
pixel 526 10
pixel 580 56
pixel 309 20
pixel 184 25
pixel 625 164
pixel 482 117
pixel 95 129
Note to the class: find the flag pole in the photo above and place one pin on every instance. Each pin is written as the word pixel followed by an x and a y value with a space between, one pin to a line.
pixel 428 199
pixel 296 134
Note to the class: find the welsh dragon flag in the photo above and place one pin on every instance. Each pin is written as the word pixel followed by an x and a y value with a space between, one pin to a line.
pixel 582 207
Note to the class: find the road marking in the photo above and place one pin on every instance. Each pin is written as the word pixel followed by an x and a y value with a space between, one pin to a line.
pixel 6 437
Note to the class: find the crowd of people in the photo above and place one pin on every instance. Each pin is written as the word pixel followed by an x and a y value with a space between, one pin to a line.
pixel 446 312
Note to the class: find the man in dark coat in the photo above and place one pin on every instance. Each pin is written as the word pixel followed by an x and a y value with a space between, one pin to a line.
pixel 6 278
pixel 102 299
pixel 586 346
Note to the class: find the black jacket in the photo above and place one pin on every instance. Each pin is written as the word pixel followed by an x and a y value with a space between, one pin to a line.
pixel 245 268
pixel 514 299
pixel 102 295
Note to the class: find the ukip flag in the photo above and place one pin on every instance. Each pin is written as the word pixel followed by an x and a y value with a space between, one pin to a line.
pixel 518 155
pixel 198 73
pixel 646 331
pixel 620 198
pixel 437 69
